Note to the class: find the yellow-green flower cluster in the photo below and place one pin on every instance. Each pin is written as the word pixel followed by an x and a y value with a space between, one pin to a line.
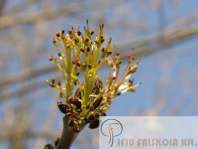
pixel 88 97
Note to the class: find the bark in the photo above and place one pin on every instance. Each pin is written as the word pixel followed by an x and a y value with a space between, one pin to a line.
pixel 68 135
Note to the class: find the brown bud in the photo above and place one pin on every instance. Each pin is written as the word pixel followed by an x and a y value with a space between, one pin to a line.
pixel 58 34
pixel 78 93
pixel 91 118
pixel 102 39
pixel 94 124
pixel 109 53
pixel 88 107
pixel 117 54
pixel 82 50
pixel 89 66
pixel 75 82
pixel 96 42
pixel 98 85
pixel 131 81
pixel 113 77
pixel 75 101
pixel 76 62
pixel 69 32
pixel 51 58
pixel 88 49
pixel 92 32
pixel 59 83
pixel 79 33
pixel 103 114
pixel 97 102
pixel 133 69
pixel 52 83
pixel 86 40
pixel 62 107
pixel 76 40
pixel 118 94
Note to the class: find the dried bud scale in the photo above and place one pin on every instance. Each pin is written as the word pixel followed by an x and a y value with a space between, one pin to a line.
pixel 85 100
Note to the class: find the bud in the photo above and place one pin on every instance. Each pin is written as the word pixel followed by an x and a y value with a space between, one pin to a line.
pixel 62 107
pixel 51 83
pixel 98 85
pixel 88 97
pixel 94 124
pixel 75 101
pixel 57 34
pixel 97 103
pixel 78 93
pixel 79 33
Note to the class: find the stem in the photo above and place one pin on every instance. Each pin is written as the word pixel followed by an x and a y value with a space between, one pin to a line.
pixel 86 86
pixel 69 71
pixel 68 135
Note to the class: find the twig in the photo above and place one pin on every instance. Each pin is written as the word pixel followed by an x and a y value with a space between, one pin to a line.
pixel 68 135
pixel 10 21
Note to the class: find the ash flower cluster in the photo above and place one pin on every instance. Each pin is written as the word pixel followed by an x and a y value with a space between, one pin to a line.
pixel 88 97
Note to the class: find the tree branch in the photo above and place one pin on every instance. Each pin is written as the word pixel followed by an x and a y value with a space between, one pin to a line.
pixel 26 75
pixel 11 21
pixel 30 134
pixel 160 41
pixel 68 135
pixel 2 5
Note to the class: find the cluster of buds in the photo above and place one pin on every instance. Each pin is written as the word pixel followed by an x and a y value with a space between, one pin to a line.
pixel 86 98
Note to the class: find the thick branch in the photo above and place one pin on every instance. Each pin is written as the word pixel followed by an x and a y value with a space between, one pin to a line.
pixel 68 135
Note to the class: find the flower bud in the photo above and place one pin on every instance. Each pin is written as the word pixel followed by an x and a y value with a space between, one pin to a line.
pixel 94 124
pixel 97 103
pixel 62 107
pixel 75 101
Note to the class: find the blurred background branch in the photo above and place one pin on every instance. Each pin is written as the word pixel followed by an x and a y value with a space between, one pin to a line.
pixel 12 21
pixel 2 5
